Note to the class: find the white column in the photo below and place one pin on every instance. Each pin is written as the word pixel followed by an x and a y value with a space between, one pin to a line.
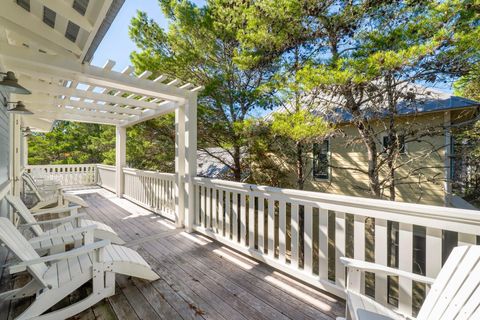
pixel 120 159
pixel 179 165
pixel 185 161
pixel 190 160
pixel 25 151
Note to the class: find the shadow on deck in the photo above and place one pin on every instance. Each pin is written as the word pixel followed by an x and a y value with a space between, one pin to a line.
pixel 199 278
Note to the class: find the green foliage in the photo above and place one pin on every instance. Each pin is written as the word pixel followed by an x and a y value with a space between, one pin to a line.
pixel 150 145
pixel 199 47
pixel 300 126
pixel 73 143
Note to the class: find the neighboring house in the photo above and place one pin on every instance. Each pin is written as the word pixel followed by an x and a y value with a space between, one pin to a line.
pixel 212 163
pixel 429 159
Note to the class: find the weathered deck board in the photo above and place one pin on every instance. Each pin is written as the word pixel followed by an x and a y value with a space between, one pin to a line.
pixel 199 278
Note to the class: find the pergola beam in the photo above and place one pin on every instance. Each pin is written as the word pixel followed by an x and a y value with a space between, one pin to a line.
pixel 68 68
pixel 90 113
pixel 53 89
pixel 168 107
pixel 44 99
pixel 76 118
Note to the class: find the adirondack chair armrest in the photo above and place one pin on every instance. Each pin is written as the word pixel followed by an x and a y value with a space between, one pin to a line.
pixel 54 221
pixel 95 246
pixel 82 230
pixel 56 210
pixel 377 268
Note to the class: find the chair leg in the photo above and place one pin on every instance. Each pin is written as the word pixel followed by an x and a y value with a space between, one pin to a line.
pixel 49 297
pixel 26 291
pixel 75 308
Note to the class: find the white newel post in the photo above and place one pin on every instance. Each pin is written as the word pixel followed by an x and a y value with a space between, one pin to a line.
pixel 191 159
pixel 180 165
pixel 120 159
pixel 25 151
pixel 185 161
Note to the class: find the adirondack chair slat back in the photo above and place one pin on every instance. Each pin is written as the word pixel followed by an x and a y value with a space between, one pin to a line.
pixel 32 185
pixel 17 243
pixel 455 294
pixel 24 212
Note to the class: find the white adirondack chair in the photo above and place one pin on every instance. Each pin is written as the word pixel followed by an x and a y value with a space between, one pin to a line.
pixel 454 294
pixel 50 195
pixel 54 277
pixel 43 239
pixel 41 181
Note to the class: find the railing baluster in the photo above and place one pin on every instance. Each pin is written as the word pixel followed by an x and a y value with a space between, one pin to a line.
pixel 359 243
pixel 233 218
pixel 308 239
pixel 271 227
pixel 221 206
pixel 405 255
pixel 323 244
pixel 208 208
pixel 202 205
pixel 340 244
pixel 381 291
pixel 261 224
pixel 294 231
pixel 243 219
pixel 214 209
pixel 433 244
pixel 282 231
pixel 228 212
pixel 251 221
pixel 197 204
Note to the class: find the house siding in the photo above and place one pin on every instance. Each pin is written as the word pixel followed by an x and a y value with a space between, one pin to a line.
pixel 355 183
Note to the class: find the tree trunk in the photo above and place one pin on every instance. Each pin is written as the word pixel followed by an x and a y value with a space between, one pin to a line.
pixel 237 168
pixel 300 166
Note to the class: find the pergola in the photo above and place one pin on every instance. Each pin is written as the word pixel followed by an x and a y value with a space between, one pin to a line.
pixel 52 64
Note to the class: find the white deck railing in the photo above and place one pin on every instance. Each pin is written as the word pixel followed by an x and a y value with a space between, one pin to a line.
pixel 265 223
pixel 106 176
pixel 305 233
pixel 66 175
pixel 153 190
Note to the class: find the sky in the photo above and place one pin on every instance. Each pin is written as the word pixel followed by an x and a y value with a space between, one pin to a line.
pixel 116 45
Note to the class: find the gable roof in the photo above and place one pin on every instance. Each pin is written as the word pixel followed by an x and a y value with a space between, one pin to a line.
pixel 417 100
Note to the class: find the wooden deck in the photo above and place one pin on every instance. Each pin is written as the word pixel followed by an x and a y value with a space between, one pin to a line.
pixel 199 278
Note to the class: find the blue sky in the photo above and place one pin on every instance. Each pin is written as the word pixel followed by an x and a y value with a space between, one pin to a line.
pixel 116 44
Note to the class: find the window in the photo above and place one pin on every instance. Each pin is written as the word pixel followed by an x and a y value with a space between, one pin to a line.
pixel 321 169
pixel 401 143
pixel 72 31
pixel 25 4
pixel 80 6
pixel 49 17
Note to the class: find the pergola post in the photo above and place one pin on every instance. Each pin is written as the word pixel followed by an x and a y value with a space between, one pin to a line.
pixel 185 161
pixel 120 159
pixel 180 165
pixel 191 160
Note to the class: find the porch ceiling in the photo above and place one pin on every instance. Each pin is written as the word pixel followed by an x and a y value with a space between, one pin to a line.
pixel 65 27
